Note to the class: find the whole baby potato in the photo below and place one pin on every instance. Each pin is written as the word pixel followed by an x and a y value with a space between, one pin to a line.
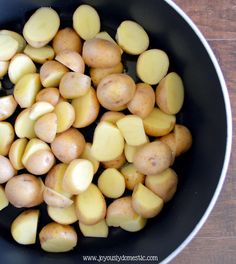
pixel 7 171
pixel 183 139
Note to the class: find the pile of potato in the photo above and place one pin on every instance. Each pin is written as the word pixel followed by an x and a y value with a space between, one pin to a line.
pixel 62 78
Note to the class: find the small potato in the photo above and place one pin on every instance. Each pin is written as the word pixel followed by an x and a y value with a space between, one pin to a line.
pixel 143 101
pixel 132 38
pixel 101 53
pixel 153 158
pixel 16 153
pixel 158 123
pixel 130 151
pixel 24 190
pixel 7 171
pixel 3 68
pixel 86 21
pixel 60 41
pixel 74 84
pixel 41 27
pixel 3 199
pixel 132 129
pixel 135 224
pixel 106 36
pixel 50 95
pixel 164 184
pixel 97 74
pixel 78 176
pixel 55 237
pixel 132 176
pixel 87 154
pixel 8 47
pixel 7 137
pixel 170 94
pixel 98 230
pixel 116 163
pixel 170 141
pixel 40 55
pixel 56 199
pixel 145 202
pixel 115 91
pixel 39 109
pixel 40 162
pixel 7 106
pixel 64 216
pixel 19 66
pixel 45 127
pixel 65 116
pixel 72 60
pixel 68 145
pixel 183 139
pixel 20 40
pixel 90 206
pixel 108 143
pixel 112 116
pixel 111 183
pixel 51 73
pixel 86 109
pixel 24 227
pixel 26 89
pixel 152 65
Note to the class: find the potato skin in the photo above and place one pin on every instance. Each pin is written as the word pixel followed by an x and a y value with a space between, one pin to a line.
pixel 50 95
pixel 116 163
pixel 183 139
pixel 7 171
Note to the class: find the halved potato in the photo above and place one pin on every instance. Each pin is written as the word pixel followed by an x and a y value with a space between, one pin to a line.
pixel 98 230
pixel 3 68
pixel 106 36
pixel 87 154
pixel 112 116
pixel 50 95
pixel 8 47
pixel 40 55
pixel 106 134
pixel 20 40
pixel 41 27
pixel 39 109
pixel 7 135
pixel 135 224
pixel 16 153
pixel 88 211
pixel 55 237
pixel 183 139
pixel 64 216
pixel 3 199
pixel 7 171
pixel 86 109
pixel 116 163
pixel 7 106
pixel 24 227
pixel 130 151
pixel 56 199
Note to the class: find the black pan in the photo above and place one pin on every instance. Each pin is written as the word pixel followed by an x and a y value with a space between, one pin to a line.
pixel 206 112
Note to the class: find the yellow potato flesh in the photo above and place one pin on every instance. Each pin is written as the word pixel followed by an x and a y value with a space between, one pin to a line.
pixel 87 154
pixel 7 136
pixel 8 47
pixel 130 152
pixel 7 106
pixel 3 68
pixel 20 40
pixel 98 230
pixel 40 55
pixel 56 199
pixel 3 199
pixel 16 153
pixel 39 109
pixel 135 224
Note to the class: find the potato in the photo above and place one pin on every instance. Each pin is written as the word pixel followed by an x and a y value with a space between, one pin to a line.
pixel 111 183
pixel 97 74
pixel 98 230
pixel 170 141
pixel 64 216
pixel 40 162
pixel 24 227
pixel 135 224
pixel 101 53
pixel 183 139
pixel 115 91
pixel 7 106
pixel 86 21
pixel 163 184
pixel 88 211
pixel 3 199
pixel 132 38
pixel 55 237
pixel 68 145
pixel 56 199
pixel 19 66
pixel 106 36
pixel 116 163
pixel 16 153
pixel 39 109
pixel 132 176
pixel 152 65
pixel 65 116
pixel 78 176
pixel 158 123
pixel 87 154
pixel 145 202
pixel 41 27
pixel 46 127
pixel 7 171
pixel 131 127
pixel 24 190
pixel 108 143
pixel 3 68
pixel 130 151
pixel 60 41
pixel 74 84
pixel 72 60
pixel 51 73
pixel 16 36
pixel 7 137
pixel 8 47
pixel 112 116
pixel 143 101
pixel 50 95
pixel 153 158
pixel 40 55
pixel 86 109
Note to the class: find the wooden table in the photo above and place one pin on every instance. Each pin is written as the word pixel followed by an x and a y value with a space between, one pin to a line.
pixel 216 242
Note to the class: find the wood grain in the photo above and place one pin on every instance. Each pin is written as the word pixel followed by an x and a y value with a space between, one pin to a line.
pixel 216 241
